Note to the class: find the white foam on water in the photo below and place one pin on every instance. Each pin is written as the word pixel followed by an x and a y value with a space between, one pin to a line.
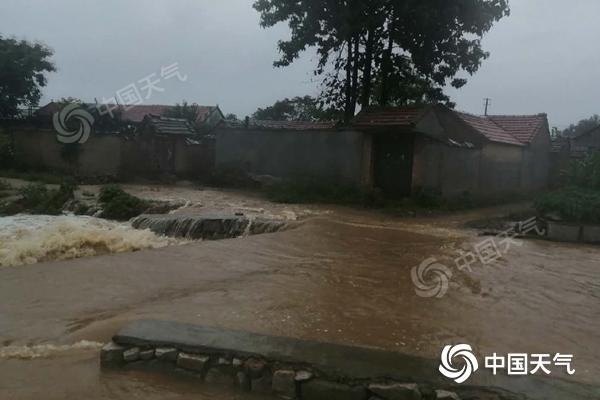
pixel 44 350
pixel 29 239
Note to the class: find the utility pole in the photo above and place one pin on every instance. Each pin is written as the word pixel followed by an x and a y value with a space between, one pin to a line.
pixel 488 102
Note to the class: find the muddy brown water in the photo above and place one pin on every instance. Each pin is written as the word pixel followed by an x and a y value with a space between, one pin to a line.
pixel 341 277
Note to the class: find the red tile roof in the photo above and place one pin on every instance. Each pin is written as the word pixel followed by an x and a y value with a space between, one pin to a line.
pixel 489 129
pixel 523 127
pixel 134 113
pixel 389 117
pixel 515 130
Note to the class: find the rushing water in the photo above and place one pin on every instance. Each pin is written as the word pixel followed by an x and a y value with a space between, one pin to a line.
pixel 343 277
pixel 29 239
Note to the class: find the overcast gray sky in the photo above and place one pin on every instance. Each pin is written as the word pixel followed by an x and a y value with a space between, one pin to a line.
pixel 544 56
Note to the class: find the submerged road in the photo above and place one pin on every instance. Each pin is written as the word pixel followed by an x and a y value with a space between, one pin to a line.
pixel 342 278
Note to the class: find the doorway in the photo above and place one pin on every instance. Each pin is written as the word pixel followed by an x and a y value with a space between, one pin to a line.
pixel 394 163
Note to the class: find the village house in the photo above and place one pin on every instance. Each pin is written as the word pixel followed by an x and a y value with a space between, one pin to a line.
pixel 398 150
pixel 585 143
pixel 208 116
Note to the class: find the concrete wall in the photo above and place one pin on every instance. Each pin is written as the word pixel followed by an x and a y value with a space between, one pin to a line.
pixel 194 160
pixel 111 155
pixel 332 155
pixel 500 168
pixel 445 169
pixel 537 165
pixel 39 149
pixel 493 169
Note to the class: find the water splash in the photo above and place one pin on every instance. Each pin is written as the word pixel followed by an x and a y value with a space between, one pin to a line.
pixel 44 350
pixel 207 226
pixel 28 239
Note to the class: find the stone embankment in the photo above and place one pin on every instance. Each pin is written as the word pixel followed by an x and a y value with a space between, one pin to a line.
pixel 284 367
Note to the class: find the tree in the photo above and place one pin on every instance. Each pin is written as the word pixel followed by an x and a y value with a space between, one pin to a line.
pixel 189 112
pixel 23 68
pixel 583 126
pixel 298 108
pixel 385 51
pixel 231 117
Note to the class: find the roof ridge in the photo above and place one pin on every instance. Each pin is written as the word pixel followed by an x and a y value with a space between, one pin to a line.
pixel 504 130
pixel 481 118
pixel 517 115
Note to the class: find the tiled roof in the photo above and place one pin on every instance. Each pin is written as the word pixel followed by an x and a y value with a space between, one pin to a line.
pixel 559 143
pixel 132 113
pixel 169 126
pixel 489 129
pixel 523 127
pixel 388 117
pixel 281 125
pixel 137 113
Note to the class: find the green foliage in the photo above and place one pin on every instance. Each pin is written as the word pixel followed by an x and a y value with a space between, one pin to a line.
pixel 23 68
pixel 572 204
pixel 585 173
pixel 120 205
pixel 7 151
pixel 580 201
pixel 309 191
pixel 45 177
pixel 390 51
pixel 38 199
pixel 297 109
pixel 583 126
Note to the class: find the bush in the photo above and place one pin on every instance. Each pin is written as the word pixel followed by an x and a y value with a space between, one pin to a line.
pixel 38 199
pixel 7 152
pixel 5 185
pixel 120 205
pixel 572 204
pixel 585 173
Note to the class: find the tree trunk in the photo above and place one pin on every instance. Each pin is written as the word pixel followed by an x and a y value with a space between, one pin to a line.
pixel 386 71
pixel 348 83
pixel 355 68
pixel 367 69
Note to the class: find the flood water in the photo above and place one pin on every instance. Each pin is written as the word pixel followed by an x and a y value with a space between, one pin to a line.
pixel 341 276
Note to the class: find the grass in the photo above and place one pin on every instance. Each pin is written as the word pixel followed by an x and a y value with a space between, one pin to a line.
pixel 44 177
pixel 38 199
pixel 422 202
pixel 574 204
pixel 120 205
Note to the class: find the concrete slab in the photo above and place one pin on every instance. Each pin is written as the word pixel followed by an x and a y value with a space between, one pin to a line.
pixel 563 232
pixel 591 234
pixel 334 360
